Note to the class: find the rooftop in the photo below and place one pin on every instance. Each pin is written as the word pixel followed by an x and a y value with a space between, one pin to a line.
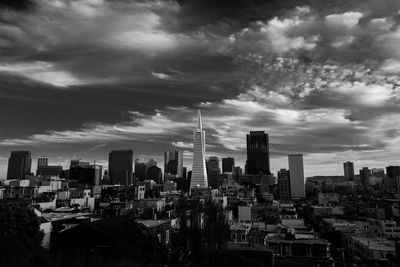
pixel 236 227
pixel 300 241
pixel 376 243
pixel 152 223
pixel 56 216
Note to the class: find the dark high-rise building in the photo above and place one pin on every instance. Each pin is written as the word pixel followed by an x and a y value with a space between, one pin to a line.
pixel 393 171
pixel 365 173
pixel 171 167
pixel 154 173
pixel 79 162
pixel 284 185
pixel 348 168
pixel 228 165
pixel 257 153
pixel 120 164
pixel 19 164
pixel 213 171
pixel 184 172
pixel 140 169
pixel 105 179
pixel 42 161
pixel 213 165
pixel 238 170
pixel 86 175
pixel 378 172
pixel 49 170
pixel 173 162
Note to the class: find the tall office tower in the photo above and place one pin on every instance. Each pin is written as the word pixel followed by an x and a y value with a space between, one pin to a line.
pixel 257 153
pixel 42 161
pixel 19 164
pixel 120 164
pixel 365 173
pixel 213 172
pixel 97 173
pixel 49 170
pixel 238 170
pixel 86 175
pixel 173 162
pixel 154 173
pixel 348 168
pixel 378 172
pixel 296 174
pixel 213 165
pixel 199 172
pixel 393 171
pixel 184 172
pixel 284 185
pixel 228 165
pixel 140 169
pixel 105 179
pixel 79 162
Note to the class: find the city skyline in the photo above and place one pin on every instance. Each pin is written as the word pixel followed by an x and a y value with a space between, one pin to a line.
pixel 320 79
pixel 189 160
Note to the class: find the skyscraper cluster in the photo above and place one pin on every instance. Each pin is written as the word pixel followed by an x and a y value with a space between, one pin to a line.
pixel 173 162
pixel 205 172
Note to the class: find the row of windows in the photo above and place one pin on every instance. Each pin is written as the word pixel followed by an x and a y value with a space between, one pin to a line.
pixel 243 237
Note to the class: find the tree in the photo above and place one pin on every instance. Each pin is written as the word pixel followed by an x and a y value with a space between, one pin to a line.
pixel 20 236
pixel 217 229
pixel 145 246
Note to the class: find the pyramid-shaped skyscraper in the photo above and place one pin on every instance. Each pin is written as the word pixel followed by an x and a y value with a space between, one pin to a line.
pixel 199 172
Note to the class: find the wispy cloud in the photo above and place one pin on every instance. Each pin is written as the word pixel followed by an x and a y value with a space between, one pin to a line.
pixel 45 73
pixel 162 76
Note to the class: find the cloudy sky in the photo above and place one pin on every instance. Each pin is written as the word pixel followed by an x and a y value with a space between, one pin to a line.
pixel 79 78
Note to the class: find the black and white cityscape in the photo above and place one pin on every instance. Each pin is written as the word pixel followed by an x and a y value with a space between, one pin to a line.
pixel 200 133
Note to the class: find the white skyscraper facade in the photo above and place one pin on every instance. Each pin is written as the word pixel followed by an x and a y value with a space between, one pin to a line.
pixel 199 171
pixel 296 174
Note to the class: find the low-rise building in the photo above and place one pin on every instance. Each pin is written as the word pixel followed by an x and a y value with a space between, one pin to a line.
pixel 158 204
pixel 244 214
pixel 327 198
pixel 160 229
pixel 239 232
pixel 368 247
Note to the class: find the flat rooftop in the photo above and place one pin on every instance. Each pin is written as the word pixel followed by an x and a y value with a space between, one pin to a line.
pixel 152 223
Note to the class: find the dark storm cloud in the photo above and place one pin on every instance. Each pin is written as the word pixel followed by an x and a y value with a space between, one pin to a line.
pixel 23 5
pixel 83 77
